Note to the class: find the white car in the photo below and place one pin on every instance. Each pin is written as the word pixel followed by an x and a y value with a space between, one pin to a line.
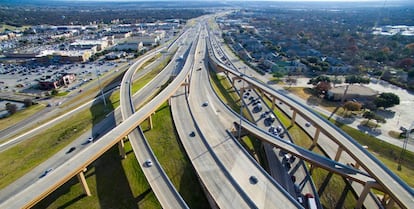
pixel 148 163
pixel 90 139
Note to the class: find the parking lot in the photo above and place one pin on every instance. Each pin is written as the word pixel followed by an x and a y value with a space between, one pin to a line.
pixel 16 78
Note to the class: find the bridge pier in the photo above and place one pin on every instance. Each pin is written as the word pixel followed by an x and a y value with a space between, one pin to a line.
pixel 121 147
pixel 364 193
pixel 82 180
pixel 387 201
pixel 316 136
pixel 338 153
pixel 293 119
pixel 150 122
pixel 273 103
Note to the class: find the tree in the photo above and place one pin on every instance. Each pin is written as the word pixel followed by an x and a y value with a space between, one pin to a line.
pixel 321 83
pixel 369 115
pixel 316 80
pixel 11 108
pixel 352 106
pixel 387 100
pixel 27 102
pixel 352 79
pixel 54 92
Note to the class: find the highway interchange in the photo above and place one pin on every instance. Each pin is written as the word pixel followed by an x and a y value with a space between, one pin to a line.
pixel 222 165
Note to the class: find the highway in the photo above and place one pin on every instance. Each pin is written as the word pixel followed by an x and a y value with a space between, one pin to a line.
pixel 161 185
pixel 265 193
pixel 26 194
pixel 391 183
pixel 221 187
pixel 214 152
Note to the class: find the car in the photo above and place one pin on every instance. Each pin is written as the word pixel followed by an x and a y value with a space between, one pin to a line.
pixel 279 129
pixel 90 139
pixel 192 134
pixel 70 150
pixel 307 124
pixel 205 104
pixel 148 163
pixel 46 172
pixel 253 180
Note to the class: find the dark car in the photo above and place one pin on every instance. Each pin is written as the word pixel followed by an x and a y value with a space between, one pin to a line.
pixel 70 150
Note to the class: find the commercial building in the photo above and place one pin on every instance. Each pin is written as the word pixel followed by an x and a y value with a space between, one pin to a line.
pixel 56 81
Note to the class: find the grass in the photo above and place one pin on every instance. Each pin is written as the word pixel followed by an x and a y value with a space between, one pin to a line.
pixel 150 75
pixel 19 116
pixel 23 157
pixel 62 93
pixel 28 154
pixel 128 187
pixel 165 143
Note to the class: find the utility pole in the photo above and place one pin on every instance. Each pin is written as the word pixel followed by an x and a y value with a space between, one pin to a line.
pixel 100 88
pixel 408 135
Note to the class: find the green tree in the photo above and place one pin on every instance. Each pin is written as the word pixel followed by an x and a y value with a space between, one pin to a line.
pixel 11 108
pixel 27 102
pixel 369 115
pixel 387 100
pixel 54 92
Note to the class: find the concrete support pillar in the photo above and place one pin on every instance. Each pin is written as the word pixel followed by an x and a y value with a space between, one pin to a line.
pixel 273 103
pixel 293 119
pixel 261 93
pixel 82 180
pixel 364 194
pixel 121 147
pixel 338 153
pixel 150 122
pixel 357 165
pixel 316 136
pixel 389 204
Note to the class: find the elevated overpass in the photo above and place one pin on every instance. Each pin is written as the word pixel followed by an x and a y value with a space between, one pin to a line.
pixel 78 163
pixel 161 185
pixel 385 180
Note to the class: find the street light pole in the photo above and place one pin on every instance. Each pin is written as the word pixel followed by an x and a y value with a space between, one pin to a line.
pixel 100 88
pixel 407 137
pixel 241 106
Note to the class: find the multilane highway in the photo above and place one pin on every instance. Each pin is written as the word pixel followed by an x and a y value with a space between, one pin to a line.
pixel 162 187
pixel 392 184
